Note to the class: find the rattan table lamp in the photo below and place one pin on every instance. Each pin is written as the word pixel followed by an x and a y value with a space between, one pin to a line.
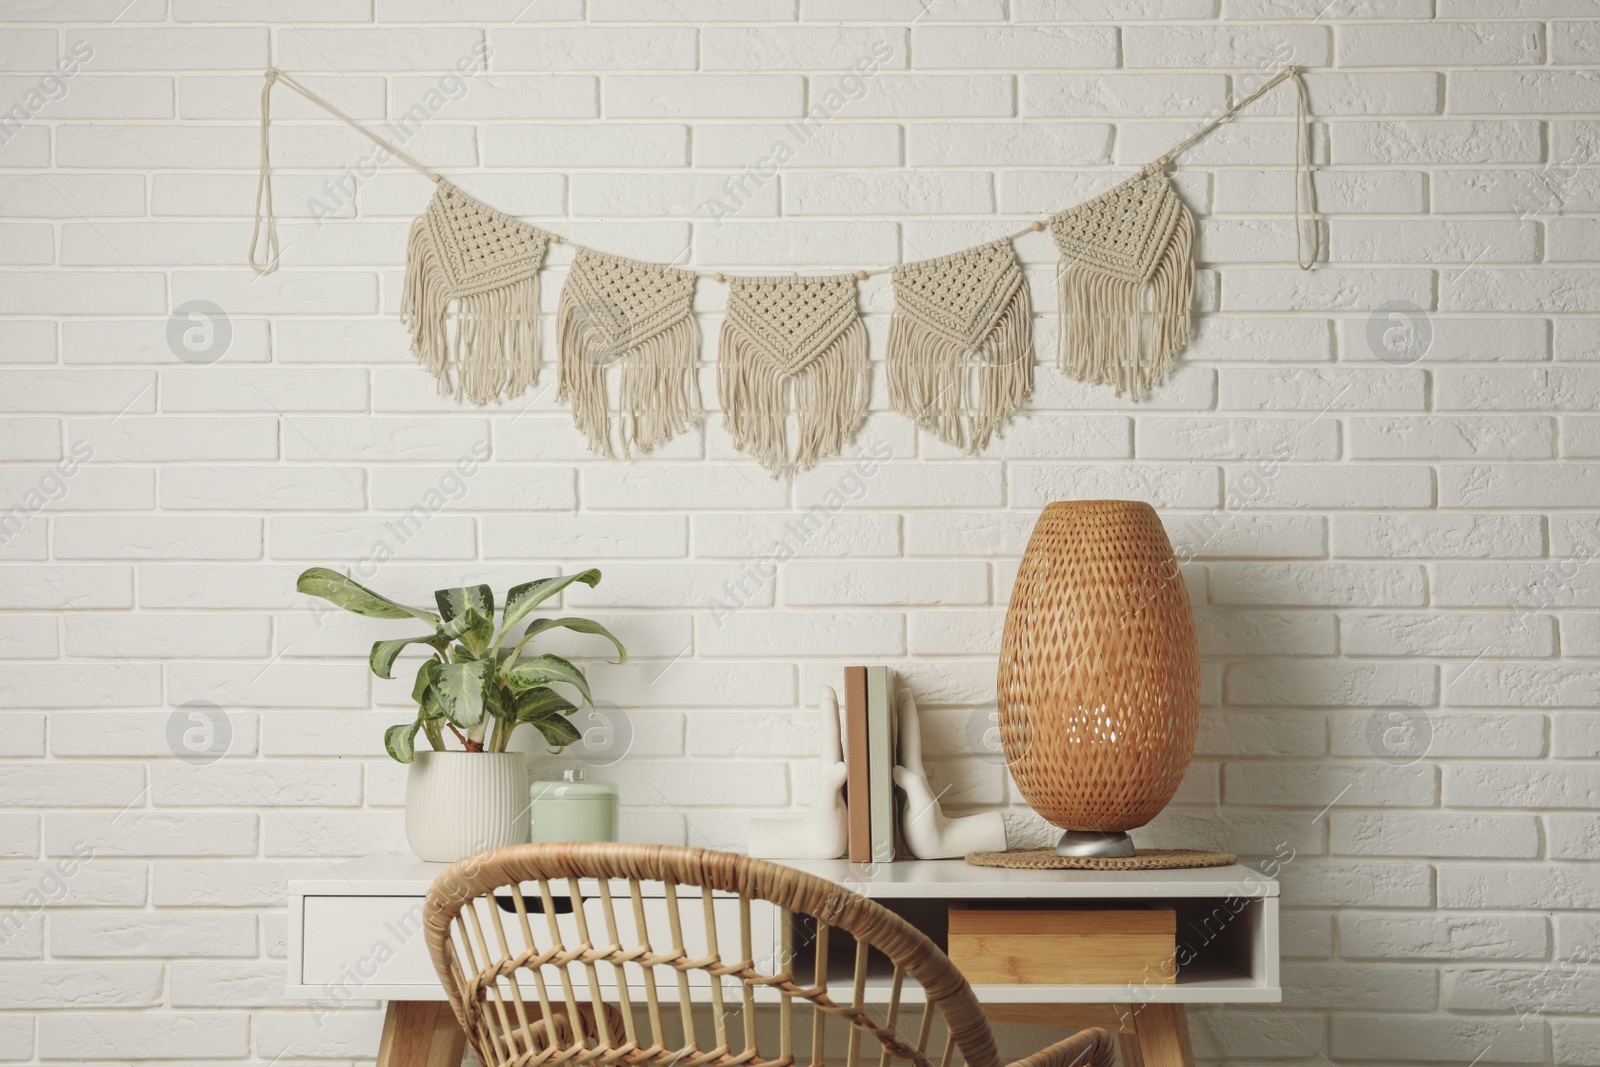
pixel 1099 673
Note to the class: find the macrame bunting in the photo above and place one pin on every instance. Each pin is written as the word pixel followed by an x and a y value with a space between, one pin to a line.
pixel 621 311
pixel 960 354
pixel 1127 280
pixel 957 317
pixel 801 330
pixel 471 296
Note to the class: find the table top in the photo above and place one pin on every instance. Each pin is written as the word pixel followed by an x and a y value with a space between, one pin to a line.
pixel 903 879
pixel 340 915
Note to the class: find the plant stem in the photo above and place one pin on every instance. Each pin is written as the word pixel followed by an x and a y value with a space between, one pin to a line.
pixel 435 734
pixel 466 742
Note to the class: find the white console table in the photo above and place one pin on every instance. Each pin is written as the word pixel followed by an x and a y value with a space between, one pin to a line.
pixel 357 936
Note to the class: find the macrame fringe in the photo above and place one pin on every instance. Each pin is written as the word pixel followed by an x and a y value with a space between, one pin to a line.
pixel 656 393
pixel 830 398
pixel 481 347
pixel 1126 333
pixel 932 376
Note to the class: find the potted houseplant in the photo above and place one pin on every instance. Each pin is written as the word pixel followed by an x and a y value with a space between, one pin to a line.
pixel 479 685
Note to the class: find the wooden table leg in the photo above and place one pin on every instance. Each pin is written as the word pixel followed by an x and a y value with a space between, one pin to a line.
pixel 1163 1032
pixel 1129 1044
pixel 421 1033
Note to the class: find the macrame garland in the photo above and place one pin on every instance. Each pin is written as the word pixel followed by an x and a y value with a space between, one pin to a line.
pixel 615 310
pixel 1127 282
pixel 957 317
pixel 806 331
pixel 471 296
pixel 471 300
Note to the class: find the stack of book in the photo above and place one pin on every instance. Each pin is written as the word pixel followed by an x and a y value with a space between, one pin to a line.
pixel 870 734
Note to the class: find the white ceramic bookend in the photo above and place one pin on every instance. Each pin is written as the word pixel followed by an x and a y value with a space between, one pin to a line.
pixel 927 832
pixel 822 832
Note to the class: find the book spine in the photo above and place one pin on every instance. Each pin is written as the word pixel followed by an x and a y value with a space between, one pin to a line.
pixel 880 762
pixel 857 788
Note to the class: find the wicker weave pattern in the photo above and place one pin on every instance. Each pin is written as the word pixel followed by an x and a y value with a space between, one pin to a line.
pixel 1099 685
pixel 515 1016
pixel 1148 859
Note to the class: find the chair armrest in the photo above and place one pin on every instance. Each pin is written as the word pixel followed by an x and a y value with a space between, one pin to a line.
pixel 1086 1048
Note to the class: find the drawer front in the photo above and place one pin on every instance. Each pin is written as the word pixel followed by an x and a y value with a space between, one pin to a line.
pixel 1063 946
pixel 352 942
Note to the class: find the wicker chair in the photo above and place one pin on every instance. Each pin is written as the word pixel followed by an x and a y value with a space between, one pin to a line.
pixel 529 993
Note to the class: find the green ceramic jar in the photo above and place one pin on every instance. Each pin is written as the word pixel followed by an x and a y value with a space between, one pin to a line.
pixel 574 809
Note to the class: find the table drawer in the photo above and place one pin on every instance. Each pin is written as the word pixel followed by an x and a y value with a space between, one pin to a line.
pixel 995 944
pixel 354 942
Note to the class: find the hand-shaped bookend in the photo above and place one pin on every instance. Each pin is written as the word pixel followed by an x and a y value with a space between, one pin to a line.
pixel 927 832
pixel 823 832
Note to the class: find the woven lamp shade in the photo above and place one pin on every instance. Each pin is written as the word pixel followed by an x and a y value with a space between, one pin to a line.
pixel 1099 687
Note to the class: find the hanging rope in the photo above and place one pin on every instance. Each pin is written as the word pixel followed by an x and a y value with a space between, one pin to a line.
pixel 264 181
pixel 264 187
pixel 1302 173
pixel 264 219
pixel 1302 156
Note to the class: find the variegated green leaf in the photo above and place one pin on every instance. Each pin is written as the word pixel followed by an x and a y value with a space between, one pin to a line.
pixel 572 622
pixel 430 707
pixel 420 687
pixel 384 653
pixel 524 598
pixel 400 741
pixel 542 670
pixel 454 603
pixel 343 591
pixel 534 704
pixel 458 687
pixel 480 631
pixel 558 732
pixel 469 614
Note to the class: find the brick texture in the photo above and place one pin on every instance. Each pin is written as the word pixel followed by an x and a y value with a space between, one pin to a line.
pixel 1383 476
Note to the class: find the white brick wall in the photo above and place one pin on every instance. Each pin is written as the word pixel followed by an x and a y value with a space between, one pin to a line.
pixel 1394 558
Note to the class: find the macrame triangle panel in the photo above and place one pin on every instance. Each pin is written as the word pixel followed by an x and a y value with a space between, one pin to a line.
pixel 959 317
pixel 1127 282
pixel 615 310
pixel 471 296
pixel 805 330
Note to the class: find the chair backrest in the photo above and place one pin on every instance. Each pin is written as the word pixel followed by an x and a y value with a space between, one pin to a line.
pixel 566 952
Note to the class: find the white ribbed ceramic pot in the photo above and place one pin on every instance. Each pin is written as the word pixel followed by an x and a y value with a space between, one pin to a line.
pixel 459 803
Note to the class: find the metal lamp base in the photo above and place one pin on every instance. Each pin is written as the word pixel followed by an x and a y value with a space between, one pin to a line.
pixel 1098 844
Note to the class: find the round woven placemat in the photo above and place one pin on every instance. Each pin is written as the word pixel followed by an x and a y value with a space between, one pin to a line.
pixel 1149 859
